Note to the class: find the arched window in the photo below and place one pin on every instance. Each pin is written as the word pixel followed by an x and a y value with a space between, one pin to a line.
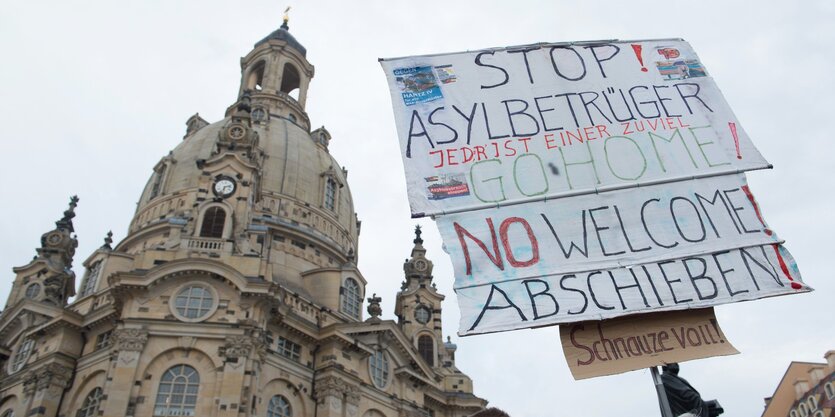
pixel 159 175
pixel 812 402
pixel 290 80
pixel 279 407
pixel 426 348
pixel 21 356
pixel 378 365
pixel 7 413
pixel 90 407
pixel 830 390
pixel 351 298
pixel 177 394
pixel 256 77
pixel 92 278
pixel 213 221
pixel 330 194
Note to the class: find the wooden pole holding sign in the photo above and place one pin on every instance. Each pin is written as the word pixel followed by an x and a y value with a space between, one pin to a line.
pixel 662 394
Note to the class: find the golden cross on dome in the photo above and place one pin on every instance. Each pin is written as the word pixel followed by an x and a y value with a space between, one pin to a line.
pixel 287 14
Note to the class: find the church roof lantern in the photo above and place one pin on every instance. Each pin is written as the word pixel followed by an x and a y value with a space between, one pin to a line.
pixel 283 34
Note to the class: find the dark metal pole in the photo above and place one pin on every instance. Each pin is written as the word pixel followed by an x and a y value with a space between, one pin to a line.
pixel 662 395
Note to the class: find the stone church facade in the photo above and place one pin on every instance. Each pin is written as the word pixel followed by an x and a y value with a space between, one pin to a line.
pixel 236 290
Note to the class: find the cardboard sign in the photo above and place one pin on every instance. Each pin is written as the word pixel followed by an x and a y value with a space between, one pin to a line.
pixel 533 122
pixel 597 348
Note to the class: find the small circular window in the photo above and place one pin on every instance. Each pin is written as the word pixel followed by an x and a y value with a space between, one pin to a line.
pixel 378 365
pixel 33 290
pixel 194 302
pixel 423 314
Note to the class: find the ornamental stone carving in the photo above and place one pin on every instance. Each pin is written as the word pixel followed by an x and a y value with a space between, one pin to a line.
pixel 352 395
pixel 53 374
pixel 30 383
pixel 243 347
pixel 337 388
pixel 130 340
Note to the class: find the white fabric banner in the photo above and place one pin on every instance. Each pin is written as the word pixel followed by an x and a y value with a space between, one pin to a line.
pixel 673 246
pixel 484 128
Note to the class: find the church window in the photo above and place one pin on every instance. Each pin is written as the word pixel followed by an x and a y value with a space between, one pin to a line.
pixel 103 339
pixel 177 394
pixel 819 413
pixel 213 222
pixel 90 280
pixel 21 356
pixel 157 185
pixel 90 407
pixel 330 194
pixel 279 407
pixel 830 390
pixel 422 314
pixel 292 117
pixel 289 349
pixel 793 413
pixel 426 348
pixel 7 413
pixel 351 298
pixel 194 302
pixel 801 408
pixel 378 364
pixel 33 290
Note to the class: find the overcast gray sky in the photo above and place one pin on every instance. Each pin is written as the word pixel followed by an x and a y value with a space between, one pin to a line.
pixel 93 93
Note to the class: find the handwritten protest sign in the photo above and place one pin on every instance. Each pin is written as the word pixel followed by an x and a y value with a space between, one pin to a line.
pixel 584 181
pixel 672 246
pixel 619 345
pixel 498 126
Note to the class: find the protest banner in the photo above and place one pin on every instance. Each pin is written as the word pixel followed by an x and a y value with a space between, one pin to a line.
pixel 508 125
pixel 624 344
pixel 584 181
pixel 688 244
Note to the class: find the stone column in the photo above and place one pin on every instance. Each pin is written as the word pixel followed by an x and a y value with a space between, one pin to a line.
pixel 121 396
pixel 43 388
pixel 329 395
pixel 240 353
pixel 352 401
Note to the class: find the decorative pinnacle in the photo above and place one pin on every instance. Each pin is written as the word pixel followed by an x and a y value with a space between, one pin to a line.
pixel 417 235
pixel 108 240
pixel 66 221
pixel 286 18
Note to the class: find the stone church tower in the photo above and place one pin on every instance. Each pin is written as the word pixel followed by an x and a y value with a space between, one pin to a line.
pixel 236 291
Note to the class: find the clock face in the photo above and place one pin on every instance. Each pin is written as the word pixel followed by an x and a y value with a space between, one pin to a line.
pixel 423 314
pixel 224 187
pixel 237 132
pixel 421 265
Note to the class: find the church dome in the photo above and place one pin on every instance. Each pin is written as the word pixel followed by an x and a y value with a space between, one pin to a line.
pixel 279 174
